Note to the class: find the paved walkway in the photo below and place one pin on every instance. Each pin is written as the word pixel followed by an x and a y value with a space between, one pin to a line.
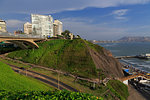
pixel 134 94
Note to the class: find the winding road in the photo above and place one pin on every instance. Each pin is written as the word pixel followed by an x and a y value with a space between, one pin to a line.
pixel 44 78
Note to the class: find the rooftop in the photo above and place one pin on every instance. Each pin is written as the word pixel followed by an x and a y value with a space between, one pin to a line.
pixel 2 20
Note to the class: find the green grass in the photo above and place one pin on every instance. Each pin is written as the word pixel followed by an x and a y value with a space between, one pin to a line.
pixel 75 58
pixel 95 47
pixel 66 79
pixel 71 56
pixel 45 55
pixel 83 86
pixel 68 55
pixel 119 89
pixel 100 50
pixel 14 63
pixel 9 80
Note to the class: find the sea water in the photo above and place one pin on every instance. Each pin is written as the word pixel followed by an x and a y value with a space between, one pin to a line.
pixel 130 49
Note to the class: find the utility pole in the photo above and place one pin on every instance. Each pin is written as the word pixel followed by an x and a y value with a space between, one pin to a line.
pixel 93 85
pixel 58 80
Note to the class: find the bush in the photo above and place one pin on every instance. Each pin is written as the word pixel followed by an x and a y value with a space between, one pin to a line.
pixel 46 95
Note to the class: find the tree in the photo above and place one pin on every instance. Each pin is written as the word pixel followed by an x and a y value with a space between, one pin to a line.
pixel 78 36
pixel 66 34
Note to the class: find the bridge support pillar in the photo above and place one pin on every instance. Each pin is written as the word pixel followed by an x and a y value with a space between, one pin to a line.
pixel 20 44
pixel 126 82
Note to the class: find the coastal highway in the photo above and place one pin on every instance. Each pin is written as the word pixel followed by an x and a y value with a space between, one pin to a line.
pixel 44 78
pixel 140 89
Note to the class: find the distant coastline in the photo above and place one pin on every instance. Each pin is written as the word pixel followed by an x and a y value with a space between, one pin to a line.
pixel 95 41
pixel 124 39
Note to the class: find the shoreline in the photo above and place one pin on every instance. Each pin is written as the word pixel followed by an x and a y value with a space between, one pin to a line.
pixel 132 68
pixel 135 91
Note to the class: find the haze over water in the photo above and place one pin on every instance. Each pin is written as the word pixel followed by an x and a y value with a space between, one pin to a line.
pixel 129 49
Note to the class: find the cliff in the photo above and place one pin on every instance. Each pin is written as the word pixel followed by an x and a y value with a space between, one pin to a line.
pixel 104 60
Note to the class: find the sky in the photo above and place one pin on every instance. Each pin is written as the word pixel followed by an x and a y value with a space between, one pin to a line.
pixel 91 19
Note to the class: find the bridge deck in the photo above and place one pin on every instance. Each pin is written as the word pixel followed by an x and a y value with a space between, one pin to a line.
pixel 21 42
pixel 134 76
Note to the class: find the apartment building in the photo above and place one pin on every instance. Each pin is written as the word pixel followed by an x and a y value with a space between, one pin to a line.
pixel 57 27
pixel 27 28
pixel 42 25
pixel 3 26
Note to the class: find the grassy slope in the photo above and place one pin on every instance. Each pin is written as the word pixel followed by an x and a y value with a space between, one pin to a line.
pixel 9 80
pixel 68 80
pixel 95 47
pixel 68 55
pixel 46 55
pixel 76 58
pixel 84 86
pixel 119 89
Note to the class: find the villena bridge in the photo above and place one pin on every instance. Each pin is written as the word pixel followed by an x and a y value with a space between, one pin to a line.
pixel 23 43
pixel 126 79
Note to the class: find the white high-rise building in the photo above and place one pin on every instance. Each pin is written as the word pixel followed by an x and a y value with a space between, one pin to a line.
pixel 58 27
pixel 28 28
pixel 2 26
pixel 42 25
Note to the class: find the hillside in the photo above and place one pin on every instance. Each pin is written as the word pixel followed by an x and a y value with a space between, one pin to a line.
pixel 77 57
pixel 104 60
pixel 11 81
pixel 135 39
pixel 80 58
pixel 107 92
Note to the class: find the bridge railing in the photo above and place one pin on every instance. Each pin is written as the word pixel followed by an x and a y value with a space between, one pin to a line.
pixel 21 35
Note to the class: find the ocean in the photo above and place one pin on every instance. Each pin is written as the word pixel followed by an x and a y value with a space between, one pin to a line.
pixel 130 49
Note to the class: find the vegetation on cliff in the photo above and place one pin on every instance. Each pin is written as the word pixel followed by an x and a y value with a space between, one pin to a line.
pixel 67 55
pixel 119 89
pixel 104 61
pixel 81 58
pixel 14 86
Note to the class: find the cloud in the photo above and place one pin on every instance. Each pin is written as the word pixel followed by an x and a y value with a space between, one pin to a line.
pixel 13 23
pixel 93 31
pixel 103 31
pixel 51 6
pixel 119 14
pixel 90 30
pixel 114 3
